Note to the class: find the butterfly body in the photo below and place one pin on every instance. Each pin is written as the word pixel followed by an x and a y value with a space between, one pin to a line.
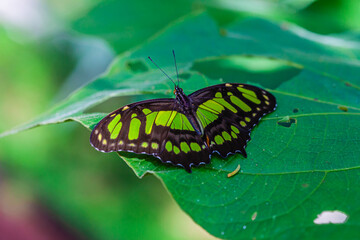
pixel 188 108
pixel 185 131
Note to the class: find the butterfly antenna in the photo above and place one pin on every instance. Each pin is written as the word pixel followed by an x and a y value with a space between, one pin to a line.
pixel 177 74
pixel 161 70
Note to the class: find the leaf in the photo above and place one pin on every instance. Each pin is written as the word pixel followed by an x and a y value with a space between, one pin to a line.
pixel 293 172
pixel 125 24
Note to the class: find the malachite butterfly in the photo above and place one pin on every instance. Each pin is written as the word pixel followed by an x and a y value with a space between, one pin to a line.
pixel 187 130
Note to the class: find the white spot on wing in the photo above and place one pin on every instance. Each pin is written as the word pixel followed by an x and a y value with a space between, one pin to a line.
pixel 327 217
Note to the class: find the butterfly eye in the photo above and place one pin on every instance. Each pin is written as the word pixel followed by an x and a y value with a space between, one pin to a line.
pixel 175 91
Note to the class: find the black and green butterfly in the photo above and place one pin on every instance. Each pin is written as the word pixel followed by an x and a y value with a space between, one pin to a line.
pixel 185 131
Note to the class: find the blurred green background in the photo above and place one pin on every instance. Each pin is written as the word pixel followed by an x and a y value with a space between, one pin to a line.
pixel 53 184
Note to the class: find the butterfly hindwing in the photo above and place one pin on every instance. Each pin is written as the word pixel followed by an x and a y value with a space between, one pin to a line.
pixel 227 137
pixel 184 149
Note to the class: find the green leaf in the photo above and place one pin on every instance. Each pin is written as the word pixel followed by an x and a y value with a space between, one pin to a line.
pixel 125 24
pixel 303 159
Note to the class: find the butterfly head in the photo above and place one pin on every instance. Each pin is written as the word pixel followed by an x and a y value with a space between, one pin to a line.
pixel 181 97
pixel 178 91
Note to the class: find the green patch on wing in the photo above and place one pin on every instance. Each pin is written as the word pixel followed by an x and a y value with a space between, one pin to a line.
pixel 206 117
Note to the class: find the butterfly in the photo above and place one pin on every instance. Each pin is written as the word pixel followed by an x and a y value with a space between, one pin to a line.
pixel 186 130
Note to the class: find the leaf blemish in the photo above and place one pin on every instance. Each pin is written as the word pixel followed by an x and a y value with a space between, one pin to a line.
pixel 137 66
pixel 348 84
pixel 295 110
pixel 327 217
pixel 305 185
pixel 253 217
pixel 223 32
pixel 343 108
pixel 287 121
pixel 184 76
pixel 285 26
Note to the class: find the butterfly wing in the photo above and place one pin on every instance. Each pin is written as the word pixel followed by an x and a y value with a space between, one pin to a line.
pixel 228 112
pixel 158 127
pixel 155 127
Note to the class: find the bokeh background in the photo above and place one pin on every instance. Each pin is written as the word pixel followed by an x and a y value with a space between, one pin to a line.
pixel 53 184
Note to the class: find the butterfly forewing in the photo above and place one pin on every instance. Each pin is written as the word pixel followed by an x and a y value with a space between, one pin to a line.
pixel 156 127
pixel 228 112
